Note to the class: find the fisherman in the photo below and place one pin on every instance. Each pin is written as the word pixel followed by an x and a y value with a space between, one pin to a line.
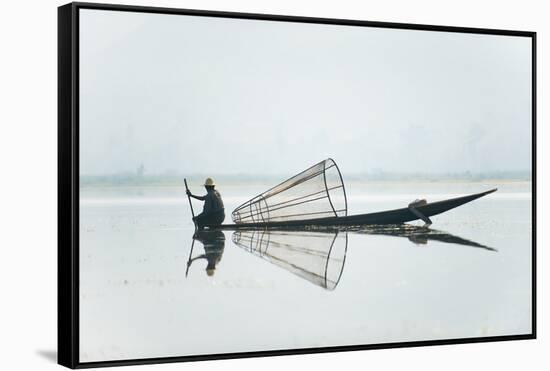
pixel 213 212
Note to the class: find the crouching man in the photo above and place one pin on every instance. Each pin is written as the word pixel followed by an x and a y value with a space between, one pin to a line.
pixel 213 212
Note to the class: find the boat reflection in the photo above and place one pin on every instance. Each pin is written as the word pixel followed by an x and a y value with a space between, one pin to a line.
pixel 416 234
pixel 317 256
pixel 213 242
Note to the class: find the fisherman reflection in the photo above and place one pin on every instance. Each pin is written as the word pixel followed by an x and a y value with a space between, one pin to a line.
pixel 213 242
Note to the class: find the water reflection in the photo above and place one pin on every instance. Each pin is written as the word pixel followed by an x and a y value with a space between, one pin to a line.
pixel 213 242
pixel 417 235
pixel 317 256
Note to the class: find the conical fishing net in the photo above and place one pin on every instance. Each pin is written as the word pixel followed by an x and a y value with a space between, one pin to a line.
pixel 318 257
pixel 317 192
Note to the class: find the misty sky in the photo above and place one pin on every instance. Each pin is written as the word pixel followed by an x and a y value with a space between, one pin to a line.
pixel 221 96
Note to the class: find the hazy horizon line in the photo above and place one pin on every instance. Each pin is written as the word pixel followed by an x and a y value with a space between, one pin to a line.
pixel 374 172
pixel 128 178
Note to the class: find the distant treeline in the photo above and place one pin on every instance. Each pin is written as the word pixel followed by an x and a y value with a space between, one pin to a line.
pixel 136 179
pixel 129 179
pixel 457 176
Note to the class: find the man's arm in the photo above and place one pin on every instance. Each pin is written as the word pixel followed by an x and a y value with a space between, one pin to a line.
pixel 202 198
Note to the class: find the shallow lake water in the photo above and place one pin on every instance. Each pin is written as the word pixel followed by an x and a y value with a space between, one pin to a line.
pixel 469 275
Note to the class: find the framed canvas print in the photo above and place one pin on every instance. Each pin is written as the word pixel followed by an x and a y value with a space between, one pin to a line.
pixel 237 185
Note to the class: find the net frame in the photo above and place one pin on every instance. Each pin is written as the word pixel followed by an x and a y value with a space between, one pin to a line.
pixel 259 210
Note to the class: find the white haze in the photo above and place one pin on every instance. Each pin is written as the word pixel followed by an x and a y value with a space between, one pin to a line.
pixel 222 96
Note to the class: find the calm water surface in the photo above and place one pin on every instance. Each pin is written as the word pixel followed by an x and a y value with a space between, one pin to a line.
pixel 468 276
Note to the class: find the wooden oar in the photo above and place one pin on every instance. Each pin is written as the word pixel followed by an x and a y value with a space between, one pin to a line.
pixel 190 204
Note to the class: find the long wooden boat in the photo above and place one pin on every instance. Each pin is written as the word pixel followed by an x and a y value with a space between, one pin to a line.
pixel 396 216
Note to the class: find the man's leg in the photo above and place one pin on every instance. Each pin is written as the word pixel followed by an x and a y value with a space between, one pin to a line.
pixel 200 221
pixel 218 218
pixel 211 219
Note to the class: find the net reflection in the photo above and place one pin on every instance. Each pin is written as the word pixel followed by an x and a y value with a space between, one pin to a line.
pixel 316 256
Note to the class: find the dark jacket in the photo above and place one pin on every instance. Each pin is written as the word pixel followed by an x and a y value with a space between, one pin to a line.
pixel 212 202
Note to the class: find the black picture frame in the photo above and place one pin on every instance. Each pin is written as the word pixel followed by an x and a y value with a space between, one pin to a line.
pixel 68 181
